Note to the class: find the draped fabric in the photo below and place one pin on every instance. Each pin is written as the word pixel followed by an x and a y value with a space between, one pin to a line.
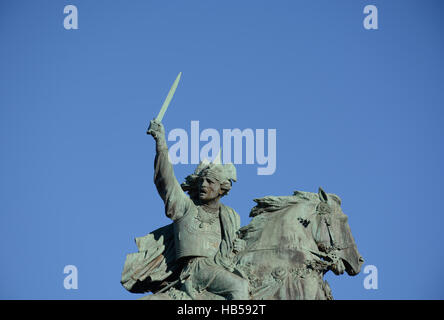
pixel 230 222
pixel 147 269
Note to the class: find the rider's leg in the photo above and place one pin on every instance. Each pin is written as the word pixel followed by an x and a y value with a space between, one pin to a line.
pixel 229 285
pixel 206 275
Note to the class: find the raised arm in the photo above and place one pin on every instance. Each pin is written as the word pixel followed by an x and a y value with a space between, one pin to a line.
pixel 176 201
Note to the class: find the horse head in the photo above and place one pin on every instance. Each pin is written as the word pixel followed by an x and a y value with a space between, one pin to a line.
pixel 333 233
pixel 300 237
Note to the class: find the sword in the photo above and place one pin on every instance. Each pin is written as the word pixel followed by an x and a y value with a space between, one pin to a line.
pixel 167 101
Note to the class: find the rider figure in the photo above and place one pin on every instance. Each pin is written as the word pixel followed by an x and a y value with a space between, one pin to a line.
pixel 205 230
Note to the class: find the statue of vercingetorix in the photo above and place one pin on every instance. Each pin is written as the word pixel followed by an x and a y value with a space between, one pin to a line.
pixel 284 252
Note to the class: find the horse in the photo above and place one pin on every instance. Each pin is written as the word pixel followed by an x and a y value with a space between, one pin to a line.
pixel 291 242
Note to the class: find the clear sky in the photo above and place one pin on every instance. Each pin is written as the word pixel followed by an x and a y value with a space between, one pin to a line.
pixel 358 112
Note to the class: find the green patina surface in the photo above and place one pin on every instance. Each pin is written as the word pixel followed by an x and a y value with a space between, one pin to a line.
pixel 283 253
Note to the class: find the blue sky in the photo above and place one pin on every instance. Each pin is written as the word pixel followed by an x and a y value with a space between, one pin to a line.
pixel 358 112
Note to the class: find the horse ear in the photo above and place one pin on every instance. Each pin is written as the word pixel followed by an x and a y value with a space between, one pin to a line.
pixel 322 195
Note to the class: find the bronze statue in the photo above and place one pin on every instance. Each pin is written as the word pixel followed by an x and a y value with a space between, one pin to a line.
pixel 283 253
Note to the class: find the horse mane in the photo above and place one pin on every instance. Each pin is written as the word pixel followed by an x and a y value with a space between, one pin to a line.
pixel 274 203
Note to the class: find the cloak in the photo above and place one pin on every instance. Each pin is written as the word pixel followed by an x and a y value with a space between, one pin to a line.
pixel 150 267
pixel 154 266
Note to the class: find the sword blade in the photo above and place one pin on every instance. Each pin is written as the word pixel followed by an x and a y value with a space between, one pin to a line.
pixel 167 101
